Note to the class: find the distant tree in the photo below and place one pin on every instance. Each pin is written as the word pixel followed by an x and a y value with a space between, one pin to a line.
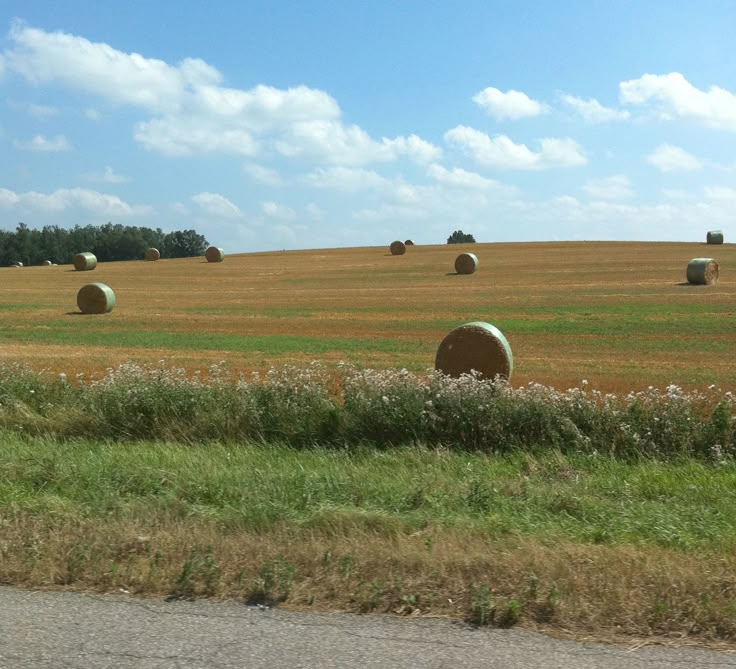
pixel 459 237
pixel 183 244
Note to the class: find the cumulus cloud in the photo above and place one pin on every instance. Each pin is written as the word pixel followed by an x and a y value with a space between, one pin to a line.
pixel 346 179
pixel 720 193
pixel 617 187
pixel 65 199
pixel 42 144
pixel 108 175
pixel 669 158
pixel 193 113
pixel 263 175
pixel 673 97
pixel 278 211
pixel 460 178
pixel 501 153
pixel 592 111
pixel 511 105
pixel 213 204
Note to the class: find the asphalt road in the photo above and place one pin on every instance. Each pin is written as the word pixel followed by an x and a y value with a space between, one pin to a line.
pixel 70 630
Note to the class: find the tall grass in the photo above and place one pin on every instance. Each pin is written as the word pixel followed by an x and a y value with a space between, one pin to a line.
pixel 344 405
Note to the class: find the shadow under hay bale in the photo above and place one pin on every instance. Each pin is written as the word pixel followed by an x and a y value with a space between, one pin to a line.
pixel 151 254
pixel 714 237
pixel 475 346
pixel 397 248
pixel 466 263
pixel 95 298
pixel 84 262
pixel 702 272
pixel 214 254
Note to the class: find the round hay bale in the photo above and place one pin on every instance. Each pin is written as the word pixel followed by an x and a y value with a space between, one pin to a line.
pixel 702 271
pixel 17 263
pixel 466 263
pixel 714 237
pixel 84 262
pixel 46 263
pixel 475 346
pixel 408 242
pixel 397 248
pixel 214 254
pixel 151 254
pixel 95 298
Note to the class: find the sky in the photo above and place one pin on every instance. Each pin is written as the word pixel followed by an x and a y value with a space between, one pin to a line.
pixel 270 125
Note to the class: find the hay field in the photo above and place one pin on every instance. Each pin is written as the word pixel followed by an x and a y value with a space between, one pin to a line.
pixel 619 315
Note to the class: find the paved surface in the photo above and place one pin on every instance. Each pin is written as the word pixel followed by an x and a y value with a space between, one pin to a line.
pixel 70 630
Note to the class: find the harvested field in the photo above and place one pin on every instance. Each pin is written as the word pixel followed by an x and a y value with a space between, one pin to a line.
pixel 573 311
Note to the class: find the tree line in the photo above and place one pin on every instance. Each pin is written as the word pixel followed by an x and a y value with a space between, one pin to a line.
pixel 108 242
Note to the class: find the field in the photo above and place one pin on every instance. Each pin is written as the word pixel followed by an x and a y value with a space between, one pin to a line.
pixel 606 510
pixel 619 315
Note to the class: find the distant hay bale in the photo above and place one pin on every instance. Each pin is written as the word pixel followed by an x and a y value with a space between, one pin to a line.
pixel 408 242
pixel 714 237
pixel 475 346
pixel 151 254
pixel 466 263
pixel 17 263
pixel 46 263
pixel 85 261
pixel 702 271
pixel 397 248
pixel 95 298
pixel 214 254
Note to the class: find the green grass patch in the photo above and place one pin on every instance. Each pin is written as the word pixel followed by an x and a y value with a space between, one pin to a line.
pixel 684 505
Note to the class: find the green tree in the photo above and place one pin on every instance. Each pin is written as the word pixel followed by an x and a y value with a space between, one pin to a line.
pixel 459 237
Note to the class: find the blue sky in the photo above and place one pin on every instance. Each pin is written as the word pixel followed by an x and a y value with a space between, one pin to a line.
pixel 270 125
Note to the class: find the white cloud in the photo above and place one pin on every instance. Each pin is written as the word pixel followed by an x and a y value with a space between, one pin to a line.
pixel 510 105
pixel 42 144
pixel 720 193
pixel 675 97
pixel 617 187
pixel 108 175
pixel 179 208
pixel 593 111
pixel 315 212
pixel 346 179
pixel 278 211
pixel 263 175
pixel 333 142
pixel 669 158
pixel 42 111
pixel 66 199
pixel 185 136
pixel 213 204
pixel 461 178
pixel 501 153
pixel 92 114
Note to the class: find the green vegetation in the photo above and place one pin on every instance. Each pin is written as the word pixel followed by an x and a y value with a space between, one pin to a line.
pixel 107 242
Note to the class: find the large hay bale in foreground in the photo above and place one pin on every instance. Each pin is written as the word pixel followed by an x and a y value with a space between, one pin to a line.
pixel 151 254
pixel 466 263
pixel 84 262
pixel 95 298
pixel 46 263
pixel 397 248
pixel 714 237
pixel 702 271
pixel 214 254
pixel 408 242
pixel 475 346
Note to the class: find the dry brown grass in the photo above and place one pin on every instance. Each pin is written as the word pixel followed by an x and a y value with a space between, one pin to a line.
pixel 364 293
pixel 586 590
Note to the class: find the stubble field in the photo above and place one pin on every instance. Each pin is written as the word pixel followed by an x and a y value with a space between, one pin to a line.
pixel 619 315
